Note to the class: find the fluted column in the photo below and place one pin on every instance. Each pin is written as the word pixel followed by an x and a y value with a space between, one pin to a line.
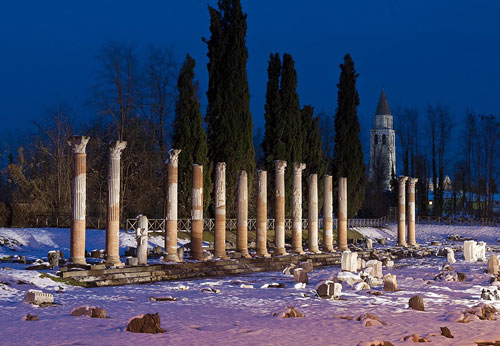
pixel 342 215
pixel 242 221
pixel 402 210
pixel 411 211
pixel 279 226
pixel 262 214
pixel 328 215
pixel 297 208
pixel 220 210
pixel 197 213
pixel 172 179
pixel 313 213
pixel 78 198
pixel 142 240
pixel 113 226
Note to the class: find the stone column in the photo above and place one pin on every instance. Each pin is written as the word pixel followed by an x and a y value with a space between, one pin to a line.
pixel 113 229
pixel 141 235
pixel 342 215
pixel 402 210
pixel 279 215
pixel 328 215
pixel 262 215
pixel 197 213
pixel 171 231
pixel 411 211
pixel 242 220
pixel 78 199
pixel 313 213
pixel 220 210
pixel 297 208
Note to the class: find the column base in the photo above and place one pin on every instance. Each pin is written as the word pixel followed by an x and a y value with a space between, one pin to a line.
pixel 114 262
pixel 280 252
pixel 263 254
pixel 196 256
pixel 245 254
pixel 328 249
pixel 78 260
pixel 314 251
pixel 299 251
pixel 171 258
pixel 221 255
pixel 340 249
pixel 403 245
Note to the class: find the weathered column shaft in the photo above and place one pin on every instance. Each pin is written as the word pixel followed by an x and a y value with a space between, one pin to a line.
pixel 261 241
pixel 220 210
pixel 297 208
pixel 197 213
pixel 411 211
pixel 142 240
pixel 242 221
pixel 172 198
pixel 328 215
pixel 78 198
pixel 402 210
pixel 313 213
pixel 342 215
pixel 279 226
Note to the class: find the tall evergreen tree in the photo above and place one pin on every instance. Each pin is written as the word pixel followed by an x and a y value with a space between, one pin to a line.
pixel 229 121
pixel 190 137
pixel 313 154
pixel 348 154
pixel 273 145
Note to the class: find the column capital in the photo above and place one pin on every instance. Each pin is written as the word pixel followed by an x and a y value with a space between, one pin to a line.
pixel 220 167
pixel 412 181
pixel 298 167
pixel 402 179
pixel 78 144
pixel 312 177
pixel 173 156
pixel 116 148
pixel 280 166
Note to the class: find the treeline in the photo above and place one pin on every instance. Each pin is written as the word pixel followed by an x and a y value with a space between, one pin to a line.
pixel 151 101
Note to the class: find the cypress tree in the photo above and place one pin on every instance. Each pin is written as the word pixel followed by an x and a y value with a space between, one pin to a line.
pixel 229 121
pixel 190 137
pixel 348 154
pixel 313 150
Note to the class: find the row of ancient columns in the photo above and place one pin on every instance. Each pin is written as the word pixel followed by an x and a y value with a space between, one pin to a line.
pixel 402 206
pixel 77 242
pixel 261 236
pixel 78 145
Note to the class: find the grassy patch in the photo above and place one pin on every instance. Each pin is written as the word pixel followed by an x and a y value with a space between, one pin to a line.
pixel 67 281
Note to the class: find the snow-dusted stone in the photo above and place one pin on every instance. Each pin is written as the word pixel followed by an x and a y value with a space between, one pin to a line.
pixel 369 243
pixel 148 323
pixel 493 265
pixel 450 255
pixel 90 311
pixel 480 250
pixel 289 312
pixel 470 251
pixel 361 286
pixel 53 257
pixel 300 275
pixel 328 289
pixel 132 261
pixel 289 269
pixel 416 303
pixel 361 264
pixel 349 261
pixel 30 317
pixel 307 266
pixel 389 264
pixel 349 278
pixel 37 297
pixel 376 268
pixel 141 236
pixel 390 283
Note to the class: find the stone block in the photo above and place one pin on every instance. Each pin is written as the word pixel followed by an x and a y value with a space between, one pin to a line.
pixel 349 261
pixel 450 255
pixel 390 283
pixel 307 266
pixel 132 261
pixel 37 297
pixel 148 323
pixel 328 289
pixel 300 275
pixel 376 268
pixel 470 251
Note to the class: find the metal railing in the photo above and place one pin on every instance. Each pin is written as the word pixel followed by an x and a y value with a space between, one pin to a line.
pixel 466 221
pixel 64 221
pixel 158 225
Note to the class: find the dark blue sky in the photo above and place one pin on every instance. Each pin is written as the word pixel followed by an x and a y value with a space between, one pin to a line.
pixel 420 51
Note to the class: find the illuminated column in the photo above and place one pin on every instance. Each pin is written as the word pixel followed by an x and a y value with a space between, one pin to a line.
pixel 342 215
pixel 279 226
pixel 402 211
pixel 220 210
pixel 242 221
pixel 78 198
pixel 313 213
pixel 262 215
pixel 197 213
pixel 411 211
pixel 171 232
pixel 297 208
pixel 328 215
pixel 113 229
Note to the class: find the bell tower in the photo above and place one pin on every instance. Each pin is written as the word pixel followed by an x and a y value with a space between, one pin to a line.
pixel 382 145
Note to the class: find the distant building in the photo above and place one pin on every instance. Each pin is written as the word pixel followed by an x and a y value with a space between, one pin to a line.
pixel 382 145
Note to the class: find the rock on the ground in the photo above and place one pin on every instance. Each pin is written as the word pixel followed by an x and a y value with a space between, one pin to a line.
pixel 417 303
pixel 30 317
pixel 369 320
pixel 361 286
pixel 307 266
pixel 300 275
pixel 376 268
pixel 349 278
pixel 89 311
pixel 328 289
pixel 450 255
pixel 493 264
pixel 390 283
pixel 445 331
pixel 289 312
pixel 148 323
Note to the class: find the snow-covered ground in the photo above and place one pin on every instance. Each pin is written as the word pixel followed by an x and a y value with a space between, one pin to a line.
pixel 239 315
